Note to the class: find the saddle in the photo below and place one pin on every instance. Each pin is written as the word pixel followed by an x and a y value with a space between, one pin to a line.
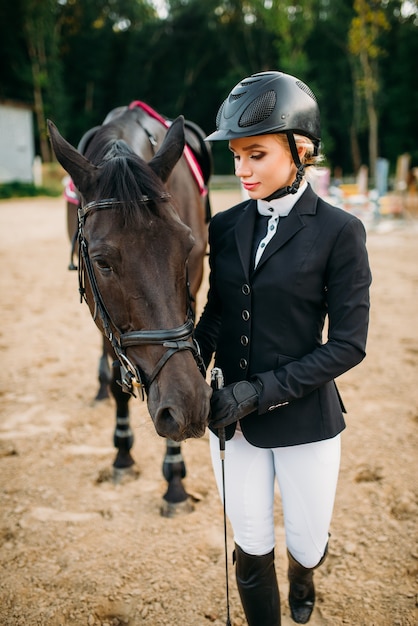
pixel 197 152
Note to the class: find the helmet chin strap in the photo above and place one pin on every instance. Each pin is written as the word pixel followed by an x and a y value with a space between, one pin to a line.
pixel 290 189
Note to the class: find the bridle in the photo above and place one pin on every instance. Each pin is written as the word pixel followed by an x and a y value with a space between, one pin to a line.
pixel 174 339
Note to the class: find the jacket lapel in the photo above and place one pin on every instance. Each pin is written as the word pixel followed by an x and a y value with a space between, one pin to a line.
pixel 290 225
pixel 244 230
pixel 287 229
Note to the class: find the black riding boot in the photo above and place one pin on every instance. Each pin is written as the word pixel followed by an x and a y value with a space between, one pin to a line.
pixel 258 589
pixel 301 589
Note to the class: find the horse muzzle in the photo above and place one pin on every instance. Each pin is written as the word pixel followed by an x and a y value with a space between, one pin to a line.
pixel 178 416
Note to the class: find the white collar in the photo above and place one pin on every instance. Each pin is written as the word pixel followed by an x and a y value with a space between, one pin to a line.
pixel 280 207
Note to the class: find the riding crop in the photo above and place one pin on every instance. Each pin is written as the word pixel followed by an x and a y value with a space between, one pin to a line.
pixel 217 382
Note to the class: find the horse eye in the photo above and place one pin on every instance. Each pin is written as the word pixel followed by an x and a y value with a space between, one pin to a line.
pixel 103 265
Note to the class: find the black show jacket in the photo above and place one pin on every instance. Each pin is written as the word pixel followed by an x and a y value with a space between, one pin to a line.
pixel 268 322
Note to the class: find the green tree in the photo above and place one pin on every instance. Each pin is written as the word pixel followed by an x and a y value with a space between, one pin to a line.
pixel 15 72
pixel 94 42
pixel 188 62
pixel 74 60
pixel 329 74
pixel 366 27
pixel 399 84
pixel 41 32
pixel 290 22
pixel 30 64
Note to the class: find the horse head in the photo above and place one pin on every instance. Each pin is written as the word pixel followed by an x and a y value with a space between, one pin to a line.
pixel 133 272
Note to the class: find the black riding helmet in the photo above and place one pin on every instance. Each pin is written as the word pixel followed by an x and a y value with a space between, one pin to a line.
pixel 268 103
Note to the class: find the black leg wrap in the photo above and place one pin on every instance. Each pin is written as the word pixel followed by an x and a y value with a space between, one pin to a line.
pixel 301 589
pixel 258 588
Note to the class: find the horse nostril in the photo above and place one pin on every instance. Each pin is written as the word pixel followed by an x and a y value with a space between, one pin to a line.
pixel 166 425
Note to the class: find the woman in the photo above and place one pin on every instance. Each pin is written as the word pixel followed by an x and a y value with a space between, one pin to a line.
pixel 281 262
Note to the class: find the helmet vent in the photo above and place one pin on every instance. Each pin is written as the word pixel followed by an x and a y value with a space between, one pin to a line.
pixel 236 96
pixel 219 115
pixel 249 81
pixel 306 89
pixel 259 110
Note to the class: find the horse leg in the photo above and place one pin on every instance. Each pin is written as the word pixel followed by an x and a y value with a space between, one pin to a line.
pixel 175 500
pixel 72 231
pixel 123 438
pixel 105 375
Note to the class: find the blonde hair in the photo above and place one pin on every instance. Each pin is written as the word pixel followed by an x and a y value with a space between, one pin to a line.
pixel 301 142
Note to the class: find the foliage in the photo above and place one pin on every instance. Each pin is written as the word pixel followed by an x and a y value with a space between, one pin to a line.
pixel 363 43
pixel 290 23
pixel 75 60
pixel 16 189
pixel 399 87
pixel 41 39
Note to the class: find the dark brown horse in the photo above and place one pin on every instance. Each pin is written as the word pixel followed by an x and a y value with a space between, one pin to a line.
pixel 134 250
pixel 188 186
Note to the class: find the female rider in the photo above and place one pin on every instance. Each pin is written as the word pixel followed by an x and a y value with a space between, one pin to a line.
pixel 281 262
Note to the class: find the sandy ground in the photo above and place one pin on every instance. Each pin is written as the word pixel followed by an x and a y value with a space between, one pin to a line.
pixel 81 552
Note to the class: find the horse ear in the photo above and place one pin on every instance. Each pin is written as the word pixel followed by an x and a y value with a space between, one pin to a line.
pixel 81 170
pixel 170 150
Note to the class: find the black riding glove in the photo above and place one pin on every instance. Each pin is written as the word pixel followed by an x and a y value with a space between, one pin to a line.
pixel 231 403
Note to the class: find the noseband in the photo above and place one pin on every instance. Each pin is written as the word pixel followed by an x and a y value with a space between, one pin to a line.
pixel 174 339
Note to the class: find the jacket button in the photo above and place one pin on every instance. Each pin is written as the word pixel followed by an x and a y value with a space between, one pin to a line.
pixel 243 364
pixel 245 315
pixel 245 289
pixel 244 340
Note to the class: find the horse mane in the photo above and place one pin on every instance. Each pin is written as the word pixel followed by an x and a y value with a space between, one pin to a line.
pixel 125 175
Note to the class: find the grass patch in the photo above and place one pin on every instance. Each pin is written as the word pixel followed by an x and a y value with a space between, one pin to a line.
pixel 52 184
pixel 17 189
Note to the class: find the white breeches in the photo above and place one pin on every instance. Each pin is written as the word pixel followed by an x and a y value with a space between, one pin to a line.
pixel 307 477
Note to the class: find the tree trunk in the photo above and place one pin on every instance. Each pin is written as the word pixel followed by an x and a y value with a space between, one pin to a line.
pixel 40 116
pixel 38 99
pixel 354 143
pixel 373 137
pixel 355 148
pixel 370 87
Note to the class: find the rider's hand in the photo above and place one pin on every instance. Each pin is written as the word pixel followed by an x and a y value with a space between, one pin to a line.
pixel 231 403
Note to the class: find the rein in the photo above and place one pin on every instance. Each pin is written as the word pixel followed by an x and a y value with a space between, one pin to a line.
pixel 174 339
